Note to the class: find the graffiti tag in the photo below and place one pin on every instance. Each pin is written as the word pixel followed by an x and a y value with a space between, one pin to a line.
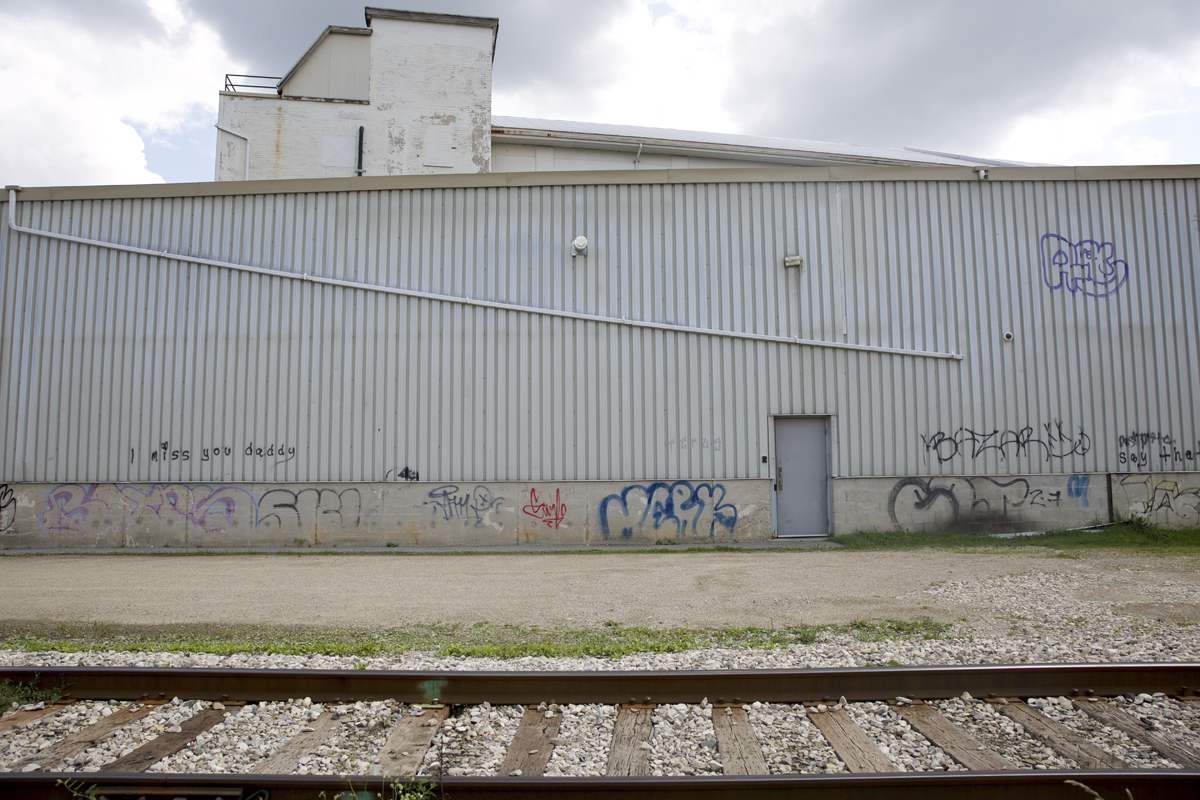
pixel 677 508
pixel 311 508
pixel 453 503
pixel 8 507
pixel 1088 267
pixel 1053 440
pixel 550 513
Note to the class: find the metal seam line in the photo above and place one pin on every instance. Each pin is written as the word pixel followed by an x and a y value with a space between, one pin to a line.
pixel 443 298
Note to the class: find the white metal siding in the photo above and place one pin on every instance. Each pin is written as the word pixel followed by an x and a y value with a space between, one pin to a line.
pixel 103 352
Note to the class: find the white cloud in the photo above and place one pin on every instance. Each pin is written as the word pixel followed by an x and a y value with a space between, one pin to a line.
pixel 666 64
pixel 72 97
pixel 1123 116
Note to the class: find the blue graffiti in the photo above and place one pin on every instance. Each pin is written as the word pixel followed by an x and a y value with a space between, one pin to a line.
pixel 1077 486
pixel 1088 267
pixel 678 508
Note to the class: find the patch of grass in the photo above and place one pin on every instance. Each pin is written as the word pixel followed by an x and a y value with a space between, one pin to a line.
pixel 482 639
pixel 1128 536
pixel 894 629
pixel 26 694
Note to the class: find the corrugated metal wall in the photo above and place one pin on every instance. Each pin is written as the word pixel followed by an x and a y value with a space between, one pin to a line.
pixel 108 358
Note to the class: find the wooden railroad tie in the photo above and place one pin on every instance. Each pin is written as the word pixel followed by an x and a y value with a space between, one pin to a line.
pixel 409 740
pixel 531 745
pixel 856 750
pixel 953 740
pixel 626 756
pixel 1060 738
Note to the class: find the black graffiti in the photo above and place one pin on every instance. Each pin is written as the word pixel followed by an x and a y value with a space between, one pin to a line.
pixel 307 508
pixel 1137 448
pixel 216 452
pixel 8 507
pixel 164 452
pixel 1165 497
pixel 454 503
pixel 406 474
pixel 284 452
pixel 1143 439
pixel 976 497
pixel 1053 439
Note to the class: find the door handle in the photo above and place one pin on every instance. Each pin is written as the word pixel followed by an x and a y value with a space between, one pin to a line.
pixel 779 479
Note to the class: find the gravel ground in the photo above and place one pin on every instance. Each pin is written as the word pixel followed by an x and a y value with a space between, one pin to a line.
pixel 40 733
pixel 166 718
pixel 1062 710
pixel 653 590
pixel 474 741
pixel 1001 734
pixel 1044 616
pixel 908 750
pixel 681 743
pixel 581 748
pixel 247 735
pixel 791 743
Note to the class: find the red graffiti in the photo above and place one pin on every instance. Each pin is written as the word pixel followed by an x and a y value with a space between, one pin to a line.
pixel 550 513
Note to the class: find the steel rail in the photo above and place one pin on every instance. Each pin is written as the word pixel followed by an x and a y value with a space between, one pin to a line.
pixel 1026 784
pixel 510 688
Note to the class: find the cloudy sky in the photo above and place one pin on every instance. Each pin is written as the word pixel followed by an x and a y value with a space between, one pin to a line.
pixel 125 91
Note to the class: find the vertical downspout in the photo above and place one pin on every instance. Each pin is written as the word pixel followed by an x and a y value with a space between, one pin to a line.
pixel 359 170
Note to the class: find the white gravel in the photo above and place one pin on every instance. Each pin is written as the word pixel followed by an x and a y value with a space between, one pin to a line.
pixel 1136 754
pixel 908 750
pixel 581 747
pixel 1006 737
pixel 678 746
pixel 791 744
pixel 473 741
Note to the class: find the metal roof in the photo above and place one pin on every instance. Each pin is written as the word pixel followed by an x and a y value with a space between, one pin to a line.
pixel 725 145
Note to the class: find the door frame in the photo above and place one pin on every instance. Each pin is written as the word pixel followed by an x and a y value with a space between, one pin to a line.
pixel 830 420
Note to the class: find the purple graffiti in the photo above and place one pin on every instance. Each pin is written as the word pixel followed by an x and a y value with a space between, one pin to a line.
pixel 107 508
pixel 1087 267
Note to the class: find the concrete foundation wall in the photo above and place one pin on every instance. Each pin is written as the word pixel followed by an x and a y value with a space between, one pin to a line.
pixel 975 504
pixel 375 514
pixel 1166 499
pixel 576 512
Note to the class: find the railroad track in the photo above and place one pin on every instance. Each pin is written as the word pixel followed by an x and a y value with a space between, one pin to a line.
pixel 740 711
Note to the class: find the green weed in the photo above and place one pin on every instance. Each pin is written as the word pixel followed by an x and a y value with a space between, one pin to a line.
pixel 23 694
pixel 1127 536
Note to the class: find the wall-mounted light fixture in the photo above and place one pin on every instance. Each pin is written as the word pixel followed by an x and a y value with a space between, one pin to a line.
pixel 793 261
pixel 579 246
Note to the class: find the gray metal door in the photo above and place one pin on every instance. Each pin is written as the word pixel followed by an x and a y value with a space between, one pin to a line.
pixel 802 477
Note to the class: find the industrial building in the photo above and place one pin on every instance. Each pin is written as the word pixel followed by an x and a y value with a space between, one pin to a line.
pixel 419 323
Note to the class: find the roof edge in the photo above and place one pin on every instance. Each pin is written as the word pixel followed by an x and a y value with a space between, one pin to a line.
pixel 371 12
pixel 313 48
pixel 847 174
pixel 734 152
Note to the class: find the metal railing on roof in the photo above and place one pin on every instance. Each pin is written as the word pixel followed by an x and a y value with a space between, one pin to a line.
pixel 251 83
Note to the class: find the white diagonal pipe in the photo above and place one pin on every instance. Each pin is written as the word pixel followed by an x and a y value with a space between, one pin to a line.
pixel 467 301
